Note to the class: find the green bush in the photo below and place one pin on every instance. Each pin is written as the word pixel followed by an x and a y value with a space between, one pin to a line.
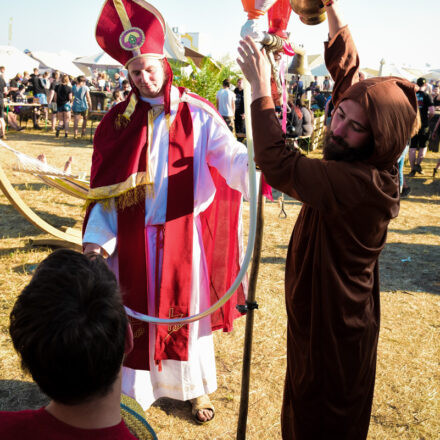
pixel 207 80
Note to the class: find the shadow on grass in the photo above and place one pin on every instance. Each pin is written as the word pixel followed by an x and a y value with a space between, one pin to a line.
pixel 176 408
pixel 14 225
pixel 29 186
pixel 273 260
pixel 16 395
pixel 432 230
pixel 48 138
pixel 403 266
pixel 413 267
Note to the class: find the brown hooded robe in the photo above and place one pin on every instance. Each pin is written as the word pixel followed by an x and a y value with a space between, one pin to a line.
pixel 332 278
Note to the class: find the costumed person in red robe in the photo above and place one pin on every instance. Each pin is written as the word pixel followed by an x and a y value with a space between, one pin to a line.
pixel 165 195
pixel 332 272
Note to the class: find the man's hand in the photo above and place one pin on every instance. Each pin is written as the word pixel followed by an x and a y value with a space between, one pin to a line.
pixel 255 67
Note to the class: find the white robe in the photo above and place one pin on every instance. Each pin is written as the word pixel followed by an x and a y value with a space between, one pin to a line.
pixel 214 145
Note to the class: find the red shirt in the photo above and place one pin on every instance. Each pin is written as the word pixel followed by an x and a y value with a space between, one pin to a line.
pixel 39 424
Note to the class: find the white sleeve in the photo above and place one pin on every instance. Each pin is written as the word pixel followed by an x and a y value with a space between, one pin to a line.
pixel 227 155
pixel 102 228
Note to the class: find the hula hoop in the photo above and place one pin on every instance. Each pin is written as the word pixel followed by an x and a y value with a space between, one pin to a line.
pixel 249 248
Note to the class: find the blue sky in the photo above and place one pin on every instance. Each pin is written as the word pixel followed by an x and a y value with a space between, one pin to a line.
pixel 400 31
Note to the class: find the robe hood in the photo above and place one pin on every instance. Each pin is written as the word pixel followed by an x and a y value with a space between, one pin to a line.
pixel 391 107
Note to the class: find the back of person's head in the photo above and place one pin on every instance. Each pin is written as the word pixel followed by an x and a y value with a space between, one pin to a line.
pixel 65 79
pixel 36 70
pixel 68 325
pixel 226 83
pixel 116 94
pixel 421 82
pixel 81 79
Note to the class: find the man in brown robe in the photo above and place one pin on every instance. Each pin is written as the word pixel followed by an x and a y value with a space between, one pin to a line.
pixel 332 276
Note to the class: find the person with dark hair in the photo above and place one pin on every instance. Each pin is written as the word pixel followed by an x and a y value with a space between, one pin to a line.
pixel 81 104
pixel 419 143
pixel 63 98
pixel 54 81
pixel 225 103
pixel 319 98
pixel 117 98
pixel 70 330
pixel 332 270
pixel 3 93
pixel 39 92
pixel 164 204
pixel 126 88
pixel 240 126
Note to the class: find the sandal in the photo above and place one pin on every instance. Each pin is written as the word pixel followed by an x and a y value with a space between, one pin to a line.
pixel 199 403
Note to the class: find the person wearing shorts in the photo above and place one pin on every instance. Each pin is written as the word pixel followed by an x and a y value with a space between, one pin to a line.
pixel 81 104
pixel 3 91
pixel 55 80
pixel 419 142
pixel 63 98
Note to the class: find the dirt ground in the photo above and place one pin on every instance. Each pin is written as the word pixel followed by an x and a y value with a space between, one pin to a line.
pixel 407 395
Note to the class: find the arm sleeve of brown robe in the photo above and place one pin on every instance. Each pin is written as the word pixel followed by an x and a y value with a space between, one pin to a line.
pixel 342 61
pixel 327 185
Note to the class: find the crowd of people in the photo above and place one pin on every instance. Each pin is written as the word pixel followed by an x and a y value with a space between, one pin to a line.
pixel 56 96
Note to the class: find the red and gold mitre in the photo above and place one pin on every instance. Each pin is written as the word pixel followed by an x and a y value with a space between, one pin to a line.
pixel 128 29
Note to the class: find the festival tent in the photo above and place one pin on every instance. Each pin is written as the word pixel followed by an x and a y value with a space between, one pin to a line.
pixel 394 70
pixel 369 73
pixel 433 74
pixel 320 70
pixel 61 61
pixel 15 62
pixel 416 73
pixel 100 61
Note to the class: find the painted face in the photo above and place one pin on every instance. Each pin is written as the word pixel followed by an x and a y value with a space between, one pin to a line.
pixel 148 76
pixel 350 135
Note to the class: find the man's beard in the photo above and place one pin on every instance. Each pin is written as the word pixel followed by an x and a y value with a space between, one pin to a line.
pixel 335 148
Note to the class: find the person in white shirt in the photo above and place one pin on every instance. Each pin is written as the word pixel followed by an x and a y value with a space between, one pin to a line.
pixel 225 102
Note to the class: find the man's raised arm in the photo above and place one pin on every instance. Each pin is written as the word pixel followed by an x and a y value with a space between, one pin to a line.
pixel 341 57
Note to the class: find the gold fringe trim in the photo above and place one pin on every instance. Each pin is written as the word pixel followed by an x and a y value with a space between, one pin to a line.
pixel 124 200
pixel 122 120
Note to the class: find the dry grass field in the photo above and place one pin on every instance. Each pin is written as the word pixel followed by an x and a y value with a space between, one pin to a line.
pixel 407 396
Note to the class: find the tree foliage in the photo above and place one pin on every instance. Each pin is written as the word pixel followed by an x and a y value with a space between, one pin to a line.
pixel 207 80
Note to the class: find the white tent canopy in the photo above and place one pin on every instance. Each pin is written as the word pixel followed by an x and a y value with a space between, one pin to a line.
pixel 57 61
pixel 100 60
pixel 320 70
pixel 433 74
pixel 15 62
pixel 394 70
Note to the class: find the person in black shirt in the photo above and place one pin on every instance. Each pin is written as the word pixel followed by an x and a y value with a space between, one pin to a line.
pixel 420 140
pixel 239 108
pixel 3 92
pixel 63 98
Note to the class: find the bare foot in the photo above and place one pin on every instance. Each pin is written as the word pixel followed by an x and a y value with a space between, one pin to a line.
pixel 68 165
pixel 204 415
pixel 42 158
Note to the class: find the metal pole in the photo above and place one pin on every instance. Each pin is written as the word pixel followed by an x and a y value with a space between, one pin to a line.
pixel 251 306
